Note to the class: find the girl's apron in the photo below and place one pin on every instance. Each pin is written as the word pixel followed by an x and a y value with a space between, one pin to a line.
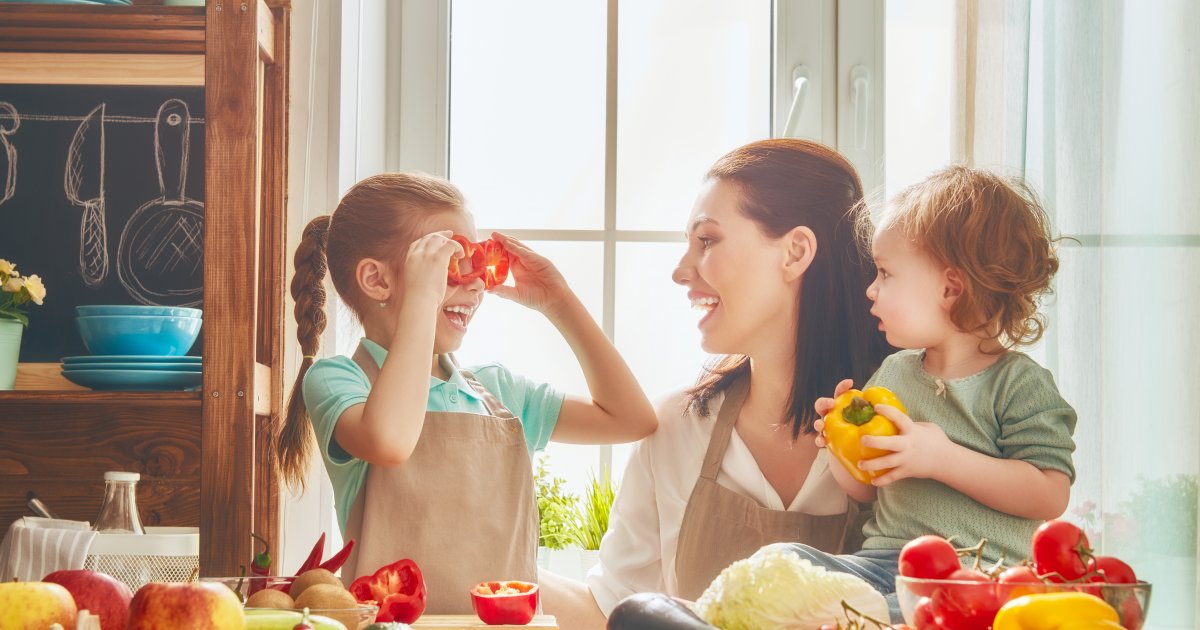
pixel 721 526
pixel 462 506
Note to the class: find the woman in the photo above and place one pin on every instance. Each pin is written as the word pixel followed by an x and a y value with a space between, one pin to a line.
pixel 772 260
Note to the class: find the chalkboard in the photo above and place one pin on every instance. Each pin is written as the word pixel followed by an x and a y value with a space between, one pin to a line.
pixel 101 194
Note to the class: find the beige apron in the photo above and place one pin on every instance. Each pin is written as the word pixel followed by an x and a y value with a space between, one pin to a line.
pixel 721 526
pixel 462 506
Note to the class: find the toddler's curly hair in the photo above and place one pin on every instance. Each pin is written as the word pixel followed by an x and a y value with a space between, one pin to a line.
pixel 994 230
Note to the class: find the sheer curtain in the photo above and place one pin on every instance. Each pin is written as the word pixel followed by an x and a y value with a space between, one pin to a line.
pixel 1098 104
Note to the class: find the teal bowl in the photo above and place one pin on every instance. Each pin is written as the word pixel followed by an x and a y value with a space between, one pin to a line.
pixel 130 309
pixel 157 335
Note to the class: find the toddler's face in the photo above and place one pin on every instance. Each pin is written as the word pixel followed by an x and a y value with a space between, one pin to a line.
pixel 733 273
pixel 909 293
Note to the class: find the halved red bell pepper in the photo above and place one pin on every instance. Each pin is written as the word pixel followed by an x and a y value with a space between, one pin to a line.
pixel 499 603
pixel 397 588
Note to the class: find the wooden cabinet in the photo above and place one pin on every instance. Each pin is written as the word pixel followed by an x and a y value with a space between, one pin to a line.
pixel 204 456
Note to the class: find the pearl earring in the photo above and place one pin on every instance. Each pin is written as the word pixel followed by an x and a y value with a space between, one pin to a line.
pixel 383 305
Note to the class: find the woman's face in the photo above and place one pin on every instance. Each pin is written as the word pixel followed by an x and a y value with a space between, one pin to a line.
pixel 735 274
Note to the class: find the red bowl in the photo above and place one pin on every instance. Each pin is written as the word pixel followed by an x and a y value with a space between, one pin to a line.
pixel 505 603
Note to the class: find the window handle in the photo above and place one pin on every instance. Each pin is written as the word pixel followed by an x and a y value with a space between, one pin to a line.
pixel 860 97
pixel 799 91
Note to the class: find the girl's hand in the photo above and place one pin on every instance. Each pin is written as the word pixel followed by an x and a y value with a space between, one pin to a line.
pixel 538 283
pixel 824 406
pixel 426 264
pixel 918 451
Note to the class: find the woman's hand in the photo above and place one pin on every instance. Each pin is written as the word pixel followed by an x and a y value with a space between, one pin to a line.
pixel 920 450
pixel 426 264
pixel 824 406
pixel 537 282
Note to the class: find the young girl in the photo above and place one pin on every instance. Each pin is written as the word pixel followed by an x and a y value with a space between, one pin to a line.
pixel 962 259
pixel 430 461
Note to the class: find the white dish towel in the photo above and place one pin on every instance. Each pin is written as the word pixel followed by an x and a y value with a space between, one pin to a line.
pixel 34 547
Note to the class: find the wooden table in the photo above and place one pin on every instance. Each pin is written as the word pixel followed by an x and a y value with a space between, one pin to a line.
pixel 471 622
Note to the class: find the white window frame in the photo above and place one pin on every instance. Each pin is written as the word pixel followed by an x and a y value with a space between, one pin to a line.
pixel 829 38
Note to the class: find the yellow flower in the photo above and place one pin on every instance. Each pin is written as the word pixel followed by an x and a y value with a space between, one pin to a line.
pixel 37 290
pixel 13 285
pixel 8 269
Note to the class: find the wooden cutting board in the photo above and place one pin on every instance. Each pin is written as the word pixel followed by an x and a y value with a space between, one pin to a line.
pixel 471 622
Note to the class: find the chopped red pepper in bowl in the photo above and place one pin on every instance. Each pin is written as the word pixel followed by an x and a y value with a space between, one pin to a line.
pixel 498 603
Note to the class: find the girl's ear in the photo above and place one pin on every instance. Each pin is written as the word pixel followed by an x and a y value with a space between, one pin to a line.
pixel 953 285
pixel 373 279
pixel 800 249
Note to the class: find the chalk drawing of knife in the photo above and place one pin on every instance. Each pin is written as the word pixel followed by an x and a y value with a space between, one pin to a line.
pixel 84 184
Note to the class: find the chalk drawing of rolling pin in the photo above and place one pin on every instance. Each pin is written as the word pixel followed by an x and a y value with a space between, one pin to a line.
pixel 9 122
pixel 86 157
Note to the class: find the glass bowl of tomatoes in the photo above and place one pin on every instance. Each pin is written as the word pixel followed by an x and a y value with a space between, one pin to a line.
pixel 967 604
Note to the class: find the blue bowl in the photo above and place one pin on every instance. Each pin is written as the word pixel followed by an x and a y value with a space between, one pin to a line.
pixel 159 335
pixel 126 309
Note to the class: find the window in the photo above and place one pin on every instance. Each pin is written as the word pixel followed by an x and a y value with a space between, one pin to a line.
pixel 589 137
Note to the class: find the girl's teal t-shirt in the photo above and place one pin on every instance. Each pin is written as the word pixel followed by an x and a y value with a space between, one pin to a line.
pixel 333 385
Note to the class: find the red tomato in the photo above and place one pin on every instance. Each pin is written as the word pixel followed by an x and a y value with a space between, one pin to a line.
pixel 1131 613
pixel 923 615
pixel 1020 580
pixel 929 557
pixel 398 588
pixel 1115 571
pixel 499 603
pixel 1060 547
pixel 967 606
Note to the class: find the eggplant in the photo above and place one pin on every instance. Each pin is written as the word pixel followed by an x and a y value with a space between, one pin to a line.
pixel 654 611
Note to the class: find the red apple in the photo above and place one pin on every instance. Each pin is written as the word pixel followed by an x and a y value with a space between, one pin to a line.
pixel 185 606
pixel 98 593
pixel 29 605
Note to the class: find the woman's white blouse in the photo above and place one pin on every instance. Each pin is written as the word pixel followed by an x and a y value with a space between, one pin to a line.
pixel 638 553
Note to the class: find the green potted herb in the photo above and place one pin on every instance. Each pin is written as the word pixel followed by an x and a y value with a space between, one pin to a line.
pixel 556 513
pixel 592 522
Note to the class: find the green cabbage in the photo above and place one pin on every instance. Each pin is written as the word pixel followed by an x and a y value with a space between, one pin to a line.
pixel 775 588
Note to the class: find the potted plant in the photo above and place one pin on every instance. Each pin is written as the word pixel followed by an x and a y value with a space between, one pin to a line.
pixel 556 513
pixel 592 521
pixel 15 292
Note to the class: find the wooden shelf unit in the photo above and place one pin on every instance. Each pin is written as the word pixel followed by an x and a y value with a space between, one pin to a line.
pixel 204 455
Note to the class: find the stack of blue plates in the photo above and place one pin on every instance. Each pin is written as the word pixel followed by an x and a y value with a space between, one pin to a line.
pixel 131 372
pixel 137 348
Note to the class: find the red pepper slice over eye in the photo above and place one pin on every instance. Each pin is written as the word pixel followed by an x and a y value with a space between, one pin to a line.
pixel 495 263
pixel 467 268
pixel 398 588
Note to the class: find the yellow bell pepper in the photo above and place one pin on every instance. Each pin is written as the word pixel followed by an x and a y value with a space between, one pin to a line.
pixel 852 417
pixel 1057 611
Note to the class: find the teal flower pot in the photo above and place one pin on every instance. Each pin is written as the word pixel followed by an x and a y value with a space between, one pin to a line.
pixel 10 351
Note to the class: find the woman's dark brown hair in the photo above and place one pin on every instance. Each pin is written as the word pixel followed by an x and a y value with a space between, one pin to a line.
pixel 377 218
pixel 783 184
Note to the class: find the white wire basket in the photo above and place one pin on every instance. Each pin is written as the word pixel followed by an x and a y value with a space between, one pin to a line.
pixel 162 554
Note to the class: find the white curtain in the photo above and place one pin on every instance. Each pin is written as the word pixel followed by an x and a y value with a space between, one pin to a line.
pixel 1097 102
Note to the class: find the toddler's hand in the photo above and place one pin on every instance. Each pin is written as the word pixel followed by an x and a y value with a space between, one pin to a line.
pixel 824 405
pixel 537 282
pixel 917 451
pixel 426 264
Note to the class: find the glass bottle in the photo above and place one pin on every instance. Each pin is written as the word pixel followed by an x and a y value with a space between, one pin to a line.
pixel 119 513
